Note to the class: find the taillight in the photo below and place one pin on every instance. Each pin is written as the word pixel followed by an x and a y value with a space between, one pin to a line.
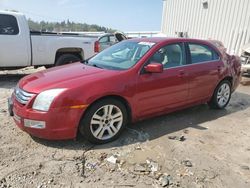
pixel 97 47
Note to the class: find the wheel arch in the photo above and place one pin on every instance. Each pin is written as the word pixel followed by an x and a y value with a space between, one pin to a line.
pixel 213 103
pixel 116 97
pixel 74 51
pixel 229 78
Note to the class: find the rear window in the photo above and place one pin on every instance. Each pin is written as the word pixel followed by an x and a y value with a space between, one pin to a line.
pixel 8 25
pixel 202 53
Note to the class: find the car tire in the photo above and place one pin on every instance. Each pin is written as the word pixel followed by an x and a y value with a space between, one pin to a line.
pixel 221 96
pixel 104 121
pixel 66 59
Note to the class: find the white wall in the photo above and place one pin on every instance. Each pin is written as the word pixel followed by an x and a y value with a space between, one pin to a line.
pixel 224 20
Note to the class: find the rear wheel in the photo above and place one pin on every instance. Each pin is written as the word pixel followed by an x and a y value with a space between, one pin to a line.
pixel 221 96
pixel 66 59
pixel 104 121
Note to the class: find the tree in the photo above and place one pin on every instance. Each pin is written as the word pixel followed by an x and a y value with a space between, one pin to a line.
pixel 65 26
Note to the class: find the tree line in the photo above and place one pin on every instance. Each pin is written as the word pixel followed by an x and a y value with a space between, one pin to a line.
pixel 65 26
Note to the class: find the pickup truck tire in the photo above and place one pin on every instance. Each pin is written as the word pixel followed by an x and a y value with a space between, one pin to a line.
pixel 66 59
pixel 221 96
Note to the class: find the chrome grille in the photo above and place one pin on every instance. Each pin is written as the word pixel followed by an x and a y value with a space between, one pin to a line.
pixel 22 96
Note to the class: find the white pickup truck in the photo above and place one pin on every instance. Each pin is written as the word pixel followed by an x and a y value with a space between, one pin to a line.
pixel 20 47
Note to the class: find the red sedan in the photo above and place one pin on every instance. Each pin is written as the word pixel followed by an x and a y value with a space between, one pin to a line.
pixel 130 81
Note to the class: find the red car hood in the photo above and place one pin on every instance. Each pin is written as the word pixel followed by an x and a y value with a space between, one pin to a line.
pixel 68 76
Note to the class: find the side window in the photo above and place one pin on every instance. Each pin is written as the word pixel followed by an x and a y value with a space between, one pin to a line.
pixel 202 53
pixel 171 55
pixel 8 25
pixel 104 39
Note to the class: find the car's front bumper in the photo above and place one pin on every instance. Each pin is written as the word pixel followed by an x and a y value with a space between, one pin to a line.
pixel 60 123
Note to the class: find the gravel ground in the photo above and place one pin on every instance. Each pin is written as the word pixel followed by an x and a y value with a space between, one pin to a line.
pixel 196 147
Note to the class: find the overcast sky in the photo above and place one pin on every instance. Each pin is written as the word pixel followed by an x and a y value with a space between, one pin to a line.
pixel 127 15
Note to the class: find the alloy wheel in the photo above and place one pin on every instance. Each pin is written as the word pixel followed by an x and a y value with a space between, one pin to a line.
pixel 223 94
pixel 106 122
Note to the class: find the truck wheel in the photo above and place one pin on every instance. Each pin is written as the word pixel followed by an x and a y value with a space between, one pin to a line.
pixel 66 59
pixel 104 121
pixel 221 96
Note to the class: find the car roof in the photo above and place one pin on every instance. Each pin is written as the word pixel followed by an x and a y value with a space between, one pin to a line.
pixel 162 40
pixel 169 39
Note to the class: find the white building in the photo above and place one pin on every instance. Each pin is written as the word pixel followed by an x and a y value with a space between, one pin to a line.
pixel 224 20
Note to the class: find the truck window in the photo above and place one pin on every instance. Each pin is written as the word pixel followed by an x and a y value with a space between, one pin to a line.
pixel 104 39
pixel 112 39
pixel 8 25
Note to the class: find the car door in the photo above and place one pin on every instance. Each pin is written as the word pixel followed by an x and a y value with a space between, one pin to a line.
pixel 161 92
pixel 14 43
pixel 204 69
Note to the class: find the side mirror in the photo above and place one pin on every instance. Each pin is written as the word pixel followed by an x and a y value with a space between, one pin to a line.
pixel 154 67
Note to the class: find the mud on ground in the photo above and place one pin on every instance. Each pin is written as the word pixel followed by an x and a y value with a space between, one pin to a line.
pixel 196 147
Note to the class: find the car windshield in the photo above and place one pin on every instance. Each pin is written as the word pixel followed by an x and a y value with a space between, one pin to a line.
pixel 121 56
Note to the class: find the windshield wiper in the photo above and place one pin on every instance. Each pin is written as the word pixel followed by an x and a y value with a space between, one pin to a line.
pixel 85 61
pixel 95 65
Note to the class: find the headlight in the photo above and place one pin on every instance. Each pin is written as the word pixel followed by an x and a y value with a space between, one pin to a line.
pixel 45 98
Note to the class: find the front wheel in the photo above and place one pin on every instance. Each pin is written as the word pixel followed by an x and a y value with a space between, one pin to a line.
pixel 104 121
pixel 221 96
